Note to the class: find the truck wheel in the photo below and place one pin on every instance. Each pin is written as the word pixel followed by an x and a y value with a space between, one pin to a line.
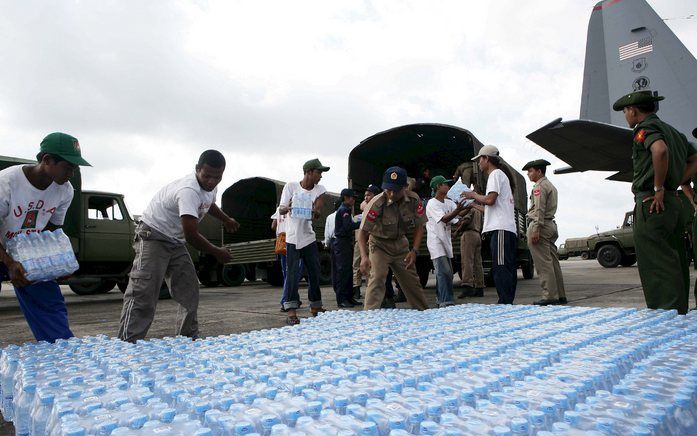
pixel 101 287
pixel 274 275
pixel 585 255
pixel 628 260
pixel 609 256
pixel 250 272
pixel 232 275
pixel 325 268
pixel 423 269
pixel 209 277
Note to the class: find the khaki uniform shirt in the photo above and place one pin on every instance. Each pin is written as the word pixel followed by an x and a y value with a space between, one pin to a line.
pixel 646 133
pixel 543 203
pixel 392 220
pixel 471 221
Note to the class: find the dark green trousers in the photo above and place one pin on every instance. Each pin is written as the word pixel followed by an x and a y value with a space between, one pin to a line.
pixel 661 254
pixel 694 251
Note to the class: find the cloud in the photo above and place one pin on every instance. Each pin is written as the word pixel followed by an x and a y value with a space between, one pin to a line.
pixel 146 86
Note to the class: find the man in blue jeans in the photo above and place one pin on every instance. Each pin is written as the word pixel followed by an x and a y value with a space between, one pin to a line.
pixel 34 198
pixel 301 241
pixel 499 221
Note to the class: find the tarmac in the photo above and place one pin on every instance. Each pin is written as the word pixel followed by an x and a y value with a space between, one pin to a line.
pixel 255 305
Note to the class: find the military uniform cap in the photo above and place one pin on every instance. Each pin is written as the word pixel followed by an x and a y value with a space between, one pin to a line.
pixel 394 179
pixel 634 98
pixel 538 163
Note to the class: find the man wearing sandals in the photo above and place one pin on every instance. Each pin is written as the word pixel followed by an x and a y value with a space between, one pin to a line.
pixel 301 242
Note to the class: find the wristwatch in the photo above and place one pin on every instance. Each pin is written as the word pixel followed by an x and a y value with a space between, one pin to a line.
pixel 657 189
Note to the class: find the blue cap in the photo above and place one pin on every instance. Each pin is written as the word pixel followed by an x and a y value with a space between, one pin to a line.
pixel 394 179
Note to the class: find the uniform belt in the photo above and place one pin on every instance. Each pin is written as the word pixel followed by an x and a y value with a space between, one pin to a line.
pixel 643 194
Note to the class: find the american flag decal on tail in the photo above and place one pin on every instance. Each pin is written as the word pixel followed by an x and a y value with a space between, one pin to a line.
pixel 636 48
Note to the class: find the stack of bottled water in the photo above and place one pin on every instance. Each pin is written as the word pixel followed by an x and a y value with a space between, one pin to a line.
pixel 302 205
pixel 44 255
pixel 461 370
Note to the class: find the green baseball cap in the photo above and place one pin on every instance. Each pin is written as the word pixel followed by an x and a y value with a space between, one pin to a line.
pixel 314 164
pixel 65 146
pixel 438 180
pixel 634 98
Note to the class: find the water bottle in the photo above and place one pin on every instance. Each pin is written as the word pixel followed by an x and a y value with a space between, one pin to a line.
pixel 66 251
pixel 53 250
pixel 22 420
pixel 23 252
pixel 40 413
pixel 44 270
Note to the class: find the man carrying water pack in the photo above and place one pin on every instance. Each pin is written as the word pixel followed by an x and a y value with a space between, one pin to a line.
pixel 34 198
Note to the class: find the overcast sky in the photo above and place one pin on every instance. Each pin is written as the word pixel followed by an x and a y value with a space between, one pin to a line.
pixel 147 85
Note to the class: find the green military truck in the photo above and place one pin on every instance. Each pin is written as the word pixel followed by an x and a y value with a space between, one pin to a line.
pixel 576 247
pixel 614 247
pixel 440 148
pixel 251 202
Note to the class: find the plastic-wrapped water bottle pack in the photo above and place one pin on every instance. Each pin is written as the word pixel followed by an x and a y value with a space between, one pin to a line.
pixel 44 255
pixel 462 370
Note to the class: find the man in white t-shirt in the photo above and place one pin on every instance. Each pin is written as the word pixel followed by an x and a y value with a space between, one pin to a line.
pixel 441 213
pixel 499 221
pixel 168 223
pixel 300 239
pixel 34 198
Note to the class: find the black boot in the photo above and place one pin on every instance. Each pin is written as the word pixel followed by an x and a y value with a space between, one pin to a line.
pixel 467 291
pixel 400 298
pixel 478 292
pixel 356 292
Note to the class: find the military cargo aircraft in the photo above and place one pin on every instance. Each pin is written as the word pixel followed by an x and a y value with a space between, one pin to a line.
pixel 628 48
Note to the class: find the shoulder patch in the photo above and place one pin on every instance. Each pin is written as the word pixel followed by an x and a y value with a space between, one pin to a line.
pixel 536 192
pixel 420 209
pixel 640 136
pixel 346 214
pixel 372 216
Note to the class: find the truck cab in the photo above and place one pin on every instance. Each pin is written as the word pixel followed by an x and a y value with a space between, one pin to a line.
pixel 615 247
pixel 101 231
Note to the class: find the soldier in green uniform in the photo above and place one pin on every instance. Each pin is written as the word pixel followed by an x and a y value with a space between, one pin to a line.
pixel 689 190
pixel 383 242
pixel 542 233
pixel 662 160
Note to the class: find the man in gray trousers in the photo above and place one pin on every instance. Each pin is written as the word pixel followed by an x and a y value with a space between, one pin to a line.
pixel 169 222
